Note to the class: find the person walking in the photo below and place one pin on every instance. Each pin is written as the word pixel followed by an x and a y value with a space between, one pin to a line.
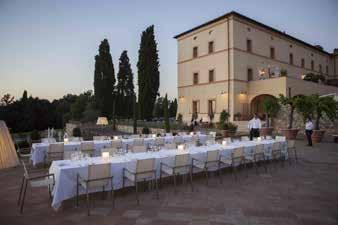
pixel 254 126
pixel 308 130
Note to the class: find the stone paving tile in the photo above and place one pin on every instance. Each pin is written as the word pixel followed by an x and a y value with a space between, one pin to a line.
pixel 303 193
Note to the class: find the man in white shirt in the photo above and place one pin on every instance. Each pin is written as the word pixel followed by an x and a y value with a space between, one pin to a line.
pixel 308 130
pixel 254 126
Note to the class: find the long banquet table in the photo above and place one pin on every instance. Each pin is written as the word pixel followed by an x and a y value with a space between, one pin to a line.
pixel 66 170
pixel 39 150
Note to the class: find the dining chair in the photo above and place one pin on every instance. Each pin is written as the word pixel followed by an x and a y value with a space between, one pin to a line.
pixel 112 151
pixel 228 140
pixel 159 141
pixel 87 147
pixel 116 143
pixel 268 137
pixel 181 166
pixel 280 138
pixel 99 176
pixel 170 146
pixel 178 140
pixel 168 134
pixel 135 136
pixel 24 153
pixel 213 133
pixel 259 157
pixel 292 147
pixel 55 152
pixel 34 180
pixel 212 161
pixel 276 153
pixel 138 148
pixel 237 160
pixel 138 141
pixel 75 139
pixel 245 138
pixel 145 170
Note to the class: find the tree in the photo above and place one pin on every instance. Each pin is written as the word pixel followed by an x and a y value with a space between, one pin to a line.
pixel 291 102
pixel 7 99
pixel 323 106
pixel 271 108
pixel 159 108
pixel 104 79
pixel 148 73
pixel 125 87
pixel 305 106
pixel 134 115
pixel 173 108
pixel 166 114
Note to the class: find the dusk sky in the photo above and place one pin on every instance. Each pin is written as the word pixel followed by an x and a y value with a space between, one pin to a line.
pixel 48 47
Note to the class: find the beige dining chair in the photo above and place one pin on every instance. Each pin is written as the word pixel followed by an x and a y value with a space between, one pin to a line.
pixel 138 148
pixel 212 161
pixel 138 141
pixel 145 170
pixel 276 153
pixel 237 160
pixel 112 151
pixel 292 148
pixel 245 138
pixel 34 180
pixel 87 147
pixel 116 143
pixel 159 141
pixel 259 157
pixel 55 151
pixel 181 166
pixel 178 140
pixel 99 176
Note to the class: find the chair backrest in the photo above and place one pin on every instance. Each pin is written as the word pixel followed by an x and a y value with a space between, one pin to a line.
pixel 55 148
pixel 227 139
pixel 159 141
pixel 138 141
pixel 111 151
pixel 291 143
pixel 116 143
pixel 145 165
pixel 212 155
pixel 268 137
pixel 182 133
pixel 75 139
pixel 99 171
pixel 25 171
pixel 211 137
pixel 87 145
pixel 139 148
pixel 275 146
pixel 181 160
pixel 100 138
pixel 238 152
pixel 170 146
pixel 259 149
pixel 135 136
pixel 280 138
pixel 245 138
pixel 169 134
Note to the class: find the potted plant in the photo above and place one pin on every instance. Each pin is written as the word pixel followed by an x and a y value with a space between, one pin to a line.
pixel 290 102
pixel 237 116
pixel 271 108
pixel 77 132
pixel 35 136
pixel 322 106
pixel 224 124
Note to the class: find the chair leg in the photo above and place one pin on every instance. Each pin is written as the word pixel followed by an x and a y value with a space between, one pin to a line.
pixel 174 177
pixel 24 196
pixel 256 166
pixel 88 202
pixel 103 195
pixel 112 194
pixel 234 169
pixel 296 157
pixel 190 174
pixel 219 173
pixel 160 178
pixel 156 185
pixel 206 174
pixel 77 191
pixel 22 183
pixel 136 190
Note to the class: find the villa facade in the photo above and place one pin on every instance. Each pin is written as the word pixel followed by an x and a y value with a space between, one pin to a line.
pixel 234 62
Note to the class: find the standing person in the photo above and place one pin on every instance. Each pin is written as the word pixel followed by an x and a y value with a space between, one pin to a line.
pixel 308 130
pixel 254 126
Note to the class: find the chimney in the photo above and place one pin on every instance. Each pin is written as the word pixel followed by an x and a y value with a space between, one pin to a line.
pixel 335 51
pixel 319 47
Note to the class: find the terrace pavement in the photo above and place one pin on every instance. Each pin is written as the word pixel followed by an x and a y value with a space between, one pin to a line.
pixel 303 193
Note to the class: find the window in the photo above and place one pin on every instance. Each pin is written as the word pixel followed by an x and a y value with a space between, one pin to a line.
pixel 211 106
pixel 327 69
pixel 195 52
pixel 272 52
pixel 248 45
pixel 320 68
pixel 291 58
pixel 303 63
pixel 195 78
pixel 211 75
pixel 195 107
pixel 312 65
pixel 211 47
pixel 250 74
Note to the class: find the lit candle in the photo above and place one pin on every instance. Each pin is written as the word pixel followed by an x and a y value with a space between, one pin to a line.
pixel 224 143
pixel 191 133
pixel 180 147
pixel 154 135
pixel 116 137
pixel 105 155
pixel 259 139
pixel 65 140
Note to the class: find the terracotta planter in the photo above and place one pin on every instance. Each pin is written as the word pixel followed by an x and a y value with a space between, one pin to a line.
pixel 290 134
pixel 317 136
pixel 228 133
pixel 265 131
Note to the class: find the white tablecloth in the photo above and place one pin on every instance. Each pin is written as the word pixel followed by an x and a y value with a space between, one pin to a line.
pixel 66 170
pixel 39 149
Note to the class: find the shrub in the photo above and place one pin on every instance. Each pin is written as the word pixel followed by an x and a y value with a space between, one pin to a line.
pixel 179 118
pixel 230 127
pixel 145 130
pixel 283 73
pixel 77 132
pixel 35 135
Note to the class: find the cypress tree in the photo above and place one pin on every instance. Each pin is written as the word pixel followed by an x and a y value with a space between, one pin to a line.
pixel 125 87
pixel 134 115
pixel 104 79
pixel 148 73
pixel 166 114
